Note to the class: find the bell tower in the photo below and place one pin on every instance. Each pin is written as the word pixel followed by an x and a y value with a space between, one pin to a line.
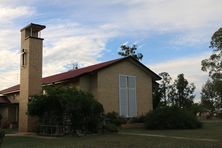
pixel 30 72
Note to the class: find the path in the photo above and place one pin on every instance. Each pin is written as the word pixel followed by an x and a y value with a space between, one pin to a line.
pixel 165 136
pixel 34 135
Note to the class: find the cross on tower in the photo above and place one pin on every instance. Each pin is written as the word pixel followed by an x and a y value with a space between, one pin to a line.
pixel 23 56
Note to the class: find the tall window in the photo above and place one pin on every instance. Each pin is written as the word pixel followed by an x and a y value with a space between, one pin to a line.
pixel 127 96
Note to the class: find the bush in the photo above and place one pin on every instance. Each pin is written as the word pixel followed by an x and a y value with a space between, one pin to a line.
pixel 140 119
pixel 2 135
pixel 171 118
pixel 110 128
pixel 114 118
pixel 219 115
pixel 65 106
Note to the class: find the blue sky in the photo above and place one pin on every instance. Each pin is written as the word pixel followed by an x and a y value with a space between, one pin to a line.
pixel 173 35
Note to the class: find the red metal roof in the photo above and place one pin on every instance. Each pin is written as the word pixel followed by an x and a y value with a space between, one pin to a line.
pixel 76 73
pixel 65 75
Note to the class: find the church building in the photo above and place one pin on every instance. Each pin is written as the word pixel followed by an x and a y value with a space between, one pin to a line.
pixel 122 85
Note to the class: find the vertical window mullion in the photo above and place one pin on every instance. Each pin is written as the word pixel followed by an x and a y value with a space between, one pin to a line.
pixel 127 89
pixel 123 95
pixel 132 96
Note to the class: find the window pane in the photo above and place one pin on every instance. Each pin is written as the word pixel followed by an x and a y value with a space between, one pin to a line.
pixel 123 81
pixel 132 102
pixel 123 102
pixel 132 82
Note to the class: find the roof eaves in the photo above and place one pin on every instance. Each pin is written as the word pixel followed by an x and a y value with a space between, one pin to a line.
pixel 155 76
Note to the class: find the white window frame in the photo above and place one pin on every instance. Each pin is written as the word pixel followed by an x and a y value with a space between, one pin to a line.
pixel 120 113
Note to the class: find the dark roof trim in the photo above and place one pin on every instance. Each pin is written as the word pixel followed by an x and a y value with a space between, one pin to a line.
pixel 153 74
pixel 35 27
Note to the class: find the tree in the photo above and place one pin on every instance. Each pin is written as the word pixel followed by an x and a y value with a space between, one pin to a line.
pixel 161 90
pixel 164 87
pixel 172 96
pixel 213 65
pixel 207 95
pixel 182 92
pixel 130 51
pixel 156 95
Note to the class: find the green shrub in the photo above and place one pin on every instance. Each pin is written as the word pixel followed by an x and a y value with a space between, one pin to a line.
pixel 140 119
pixel 110 128
pixel 65 106
pixel 2 135
pixel 114 118
pixel 219 115
pixel 85 113
pixel 171 118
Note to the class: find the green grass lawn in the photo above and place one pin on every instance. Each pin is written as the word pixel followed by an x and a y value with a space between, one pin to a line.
pixel 210 130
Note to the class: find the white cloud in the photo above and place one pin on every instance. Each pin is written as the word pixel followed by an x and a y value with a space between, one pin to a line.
pixel 67 40
pixel 10 13
pixel 9 38
pixel 10 41
pixel 193 20
pixel 9 78
pixel 161 15
pixel 67 44
pixel 63 44
pixel 189 66
pixel 9 64
pixel 172 14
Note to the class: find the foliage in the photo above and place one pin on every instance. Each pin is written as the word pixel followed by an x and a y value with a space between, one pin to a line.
pixel 207 95
pixel 216 40
pixel 181 94
pixel 165 85
pixel 171 118
pixel 184 91
pixel 156 95
pixel 2 135
pixel 196 108
pixel 61 104
pixel 219 115
pixel 130 51
pixel 213 66
pixel 114 118
pixel 110 128
pixel 112 121
pixel 140 119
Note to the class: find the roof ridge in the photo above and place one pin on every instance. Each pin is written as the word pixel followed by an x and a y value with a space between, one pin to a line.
pixel 79 72
pixel 66 75
pixel 83 67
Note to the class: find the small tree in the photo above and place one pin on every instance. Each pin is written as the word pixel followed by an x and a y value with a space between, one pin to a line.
pixel 182 93
pixel 164 87
pixel 156 95
pixel 207 95
pixel 130 51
